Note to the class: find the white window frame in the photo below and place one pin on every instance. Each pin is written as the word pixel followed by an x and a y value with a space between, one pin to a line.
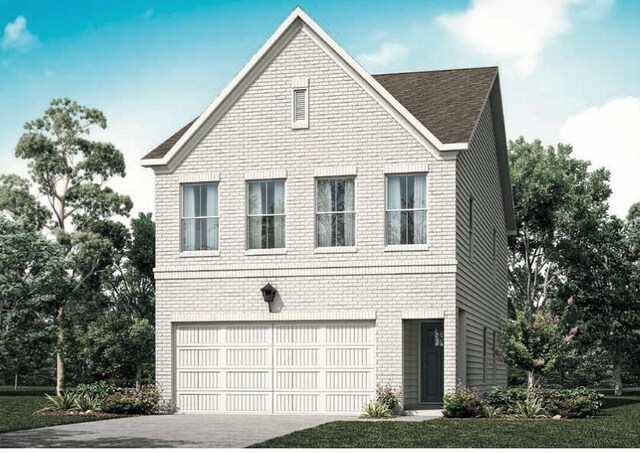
pixel 405 247
pixel 300 84
pixel 209 252
pixel 264 251
pixel 337 248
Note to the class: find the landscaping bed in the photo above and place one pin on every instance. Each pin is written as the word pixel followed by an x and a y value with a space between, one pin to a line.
pixel 616 426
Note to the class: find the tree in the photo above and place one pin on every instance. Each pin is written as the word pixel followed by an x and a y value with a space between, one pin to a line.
pixel 634 212
pixel 534 342
pixel 118 347
pixel 33 277
pixel 70 172
pixel 605 278
pixel 557 200
pixel 19 204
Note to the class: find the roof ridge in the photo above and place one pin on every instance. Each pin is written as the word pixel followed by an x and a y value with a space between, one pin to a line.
pixel 436 70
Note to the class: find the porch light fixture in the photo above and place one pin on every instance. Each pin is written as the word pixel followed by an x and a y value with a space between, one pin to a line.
pixel 268 293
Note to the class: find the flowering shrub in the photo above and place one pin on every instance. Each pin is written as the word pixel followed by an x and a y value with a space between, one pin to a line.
pixel 389 396
pixel 463 402
pixel 146 400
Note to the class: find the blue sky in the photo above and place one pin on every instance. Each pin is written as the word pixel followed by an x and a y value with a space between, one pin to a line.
pixel 570 69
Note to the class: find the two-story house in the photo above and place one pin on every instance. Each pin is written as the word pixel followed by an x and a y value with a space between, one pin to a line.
pixel 322 230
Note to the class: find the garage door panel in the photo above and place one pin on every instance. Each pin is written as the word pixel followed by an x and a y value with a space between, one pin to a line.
pixel 297 357
pixel 287 367
pixel 198 357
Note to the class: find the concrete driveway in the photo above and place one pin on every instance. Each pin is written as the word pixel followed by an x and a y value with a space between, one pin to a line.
pixel 167 431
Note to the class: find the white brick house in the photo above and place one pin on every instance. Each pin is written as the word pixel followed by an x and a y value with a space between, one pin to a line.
pixel 378 207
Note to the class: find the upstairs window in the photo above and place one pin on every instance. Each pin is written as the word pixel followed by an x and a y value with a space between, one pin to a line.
pixel 300 103
pixel 335 212
pixel 199 217
pixel 406 209
pixel 266 216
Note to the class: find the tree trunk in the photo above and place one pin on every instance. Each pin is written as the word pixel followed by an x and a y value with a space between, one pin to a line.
pixel 60 381
pixel 138 377
pixel 15 382
pixel 617 389
pixel 532 380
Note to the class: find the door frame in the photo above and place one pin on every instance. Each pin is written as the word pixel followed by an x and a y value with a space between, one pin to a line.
pixel 421 324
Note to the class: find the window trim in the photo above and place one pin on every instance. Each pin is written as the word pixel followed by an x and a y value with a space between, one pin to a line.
pixel 264 251
pixel 192 253
pixel 405 247
pixel 485 339
pixel 336 248
pixel 471 225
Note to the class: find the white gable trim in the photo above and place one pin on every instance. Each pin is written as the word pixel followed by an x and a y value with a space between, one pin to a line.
pixel 263 57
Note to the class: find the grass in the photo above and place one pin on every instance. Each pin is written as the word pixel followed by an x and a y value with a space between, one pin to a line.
pixel 17 408
pixel 617 426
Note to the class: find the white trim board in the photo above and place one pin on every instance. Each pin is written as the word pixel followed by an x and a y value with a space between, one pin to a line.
pixel 298 20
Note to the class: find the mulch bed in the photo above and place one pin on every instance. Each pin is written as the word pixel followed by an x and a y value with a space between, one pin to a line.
pixel 88 414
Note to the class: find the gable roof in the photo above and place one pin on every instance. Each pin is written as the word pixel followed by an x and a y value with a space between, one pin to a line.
pixel 447 102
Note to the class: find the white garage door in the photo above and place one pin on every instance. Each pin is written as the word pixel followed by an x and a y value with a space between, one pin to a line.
pixel 324 367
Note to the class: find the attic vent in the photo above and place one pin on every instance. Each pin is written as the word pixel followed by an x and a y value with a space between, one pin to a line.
pixel 300 103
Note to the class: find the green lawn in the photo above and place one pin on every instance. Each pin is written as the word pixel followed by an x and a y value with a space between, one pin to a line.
pixel 17 408
pixel 617 426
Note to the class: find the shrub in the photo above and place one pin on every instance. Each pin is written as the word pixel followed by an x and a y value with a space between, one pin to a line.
pixel 85 402
pixel 99 390
pixel 147 400
pixel 463 402
pixel 504 398
pixel 574 403
pixel 491 411
pixel 63 402
pixel 376 409
pixel 531 407
pixel 389 396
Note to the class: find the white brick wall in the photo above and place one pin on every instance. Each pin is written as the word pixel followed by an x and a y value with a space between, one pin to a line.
pixel 346 128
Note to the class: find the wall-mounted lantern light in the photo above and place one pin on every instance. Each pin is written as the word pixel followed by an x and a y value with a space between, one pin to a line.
pixel 268 293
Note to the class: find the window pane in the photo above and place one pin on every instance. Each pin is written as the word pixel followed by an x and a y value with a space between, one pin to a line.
pixel 212 234
pixel 188 234
pixel 188 201
pixel 255 232
pixel 324 225
pixel 349 195
pixel 419 227
pixel 419 192
pixel 255 198
pixel 394 230
pixel 279 231
pixel 324 195
pixel 278 197
pixel 394 192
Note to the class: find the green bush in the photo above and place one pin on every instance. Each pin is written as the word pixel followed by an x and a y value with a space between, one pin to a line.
pixel 86 402
pixel 531 407
pixel 146 401
pixel 504 398
pixel 64 401
pixel 463 402
pixel 574 403
pixel 376 409
pixel 99 390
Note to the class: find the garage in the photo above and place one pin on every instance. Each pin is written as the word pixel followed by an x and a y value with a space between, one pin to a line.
pixel 274 367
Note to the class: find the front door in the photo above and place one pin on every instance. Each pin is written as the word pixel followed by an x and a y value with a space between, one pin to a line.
pixel 431 362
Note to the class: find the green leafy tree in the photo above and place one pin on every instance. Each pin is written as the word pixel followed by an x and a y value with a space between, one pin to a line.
pixel 118 347
pixel 71 172
pixel 605 278
pixel 19 204
pixel 634 212
pixel 558 200
pixel 33 277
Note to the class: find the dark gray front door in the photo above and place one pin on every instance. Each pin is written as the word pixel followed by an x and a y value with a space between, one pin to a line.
pixel 431 362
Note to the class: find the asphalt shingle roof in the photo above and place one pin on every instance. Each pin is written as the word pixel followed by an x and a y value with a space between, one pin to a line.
pixel 447 102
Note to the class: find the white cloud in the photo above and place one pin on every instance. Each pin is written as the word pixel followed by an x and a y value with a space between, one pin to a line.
pixel 516 30
pixel 609 136
pixel 17 36
pixel 387 53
